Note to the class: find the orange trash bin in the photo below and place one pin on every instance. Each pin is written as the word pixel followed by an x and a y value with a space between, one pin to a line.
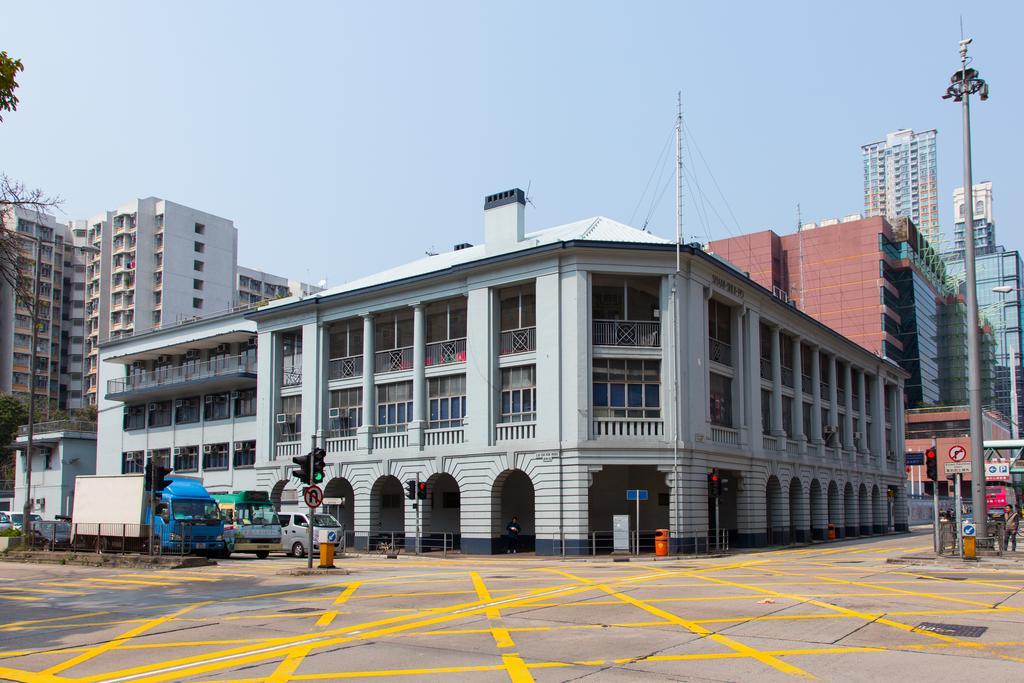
pixel 831 532
pixel 661 542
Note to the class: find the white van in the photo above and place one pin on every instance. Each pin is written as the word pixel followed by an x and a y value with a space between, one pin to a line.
pixel 295 531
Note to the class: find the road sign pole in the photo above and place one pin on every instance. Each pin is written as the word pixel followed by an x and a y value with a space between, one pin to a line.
pixel 718 531
pixel 418 510
pixel 935 510
pixel 637 549
pixel 959 516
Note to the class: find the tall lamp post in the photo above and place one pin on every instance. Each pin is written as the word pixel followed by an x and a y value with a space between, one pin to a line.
pixel 1014 408
pixel 964 83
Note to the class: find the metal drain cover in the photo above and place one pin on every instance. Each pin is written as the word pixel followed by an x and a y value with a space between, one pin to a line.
pixel 299 610
pixel 957 630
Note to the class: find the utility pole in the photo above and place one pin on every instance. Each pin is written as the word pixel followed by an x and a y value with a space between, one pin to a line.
pixel 963 84
pixel 677 490
pixel 312 511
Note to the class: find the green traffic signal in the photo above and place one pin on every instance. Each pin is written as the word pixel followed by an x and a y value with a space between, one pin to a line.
pixel 318 477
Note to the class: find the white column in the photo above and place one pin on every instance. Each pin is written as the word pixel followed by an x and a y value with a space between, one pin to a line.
pixel 481 366
pixel 862 408
pixel 369 396
pixel 799 428
pixel 737 360
pixel 833 397
pixel 848 404
pixel 751 379
pixel 419 376
pixel 815 395
pixel 777 429
pixel 268 394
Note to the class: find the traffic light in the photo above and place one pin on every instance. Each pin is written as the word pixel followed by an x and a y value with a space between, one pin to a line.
pixel 714 484
pixel 301 471
pixel 410 489
pixel 319 455
pixel 932 464
pixel 421 491
pixel 155 476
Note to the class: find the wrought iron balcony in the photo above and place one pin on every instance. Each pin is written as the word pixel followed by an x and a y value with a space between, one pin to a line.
pixel 448 351
pixel 720 351
pixel 393 360
pixel 766 368
pixel 642 333
pixel 345 368
pixel 520 340
pixel 222 368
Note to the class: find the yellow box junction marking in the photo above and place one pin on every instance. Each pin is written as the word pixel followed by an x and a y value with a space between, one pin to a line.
pixel 327 617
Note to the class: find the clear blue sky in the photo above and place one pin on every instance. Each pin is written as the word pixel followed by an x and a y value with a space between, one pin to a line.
pixel 345 138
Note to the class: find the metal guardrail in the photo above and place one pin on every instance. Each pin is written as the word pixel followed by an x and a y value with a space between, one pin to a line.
pixel 344 368
pixel 215 367
pixel 393 360
pixel 57 426
pixel 627 333
pixel 445 352
pixel 521 340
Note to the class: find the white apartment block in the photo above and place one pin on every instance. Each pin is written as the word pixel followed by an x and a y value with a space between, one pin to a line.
pixel 901 179
pixel 537 374
pixel 257 286
pixel 156 263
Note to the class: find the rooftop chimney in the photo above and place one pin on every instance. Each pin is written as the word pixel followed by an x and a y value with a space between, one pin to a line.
pixel 504 219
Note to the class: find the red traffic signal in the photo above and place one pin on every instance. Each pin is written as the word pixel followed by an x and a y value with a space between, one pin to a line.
pixel 421 491
pixel 931 463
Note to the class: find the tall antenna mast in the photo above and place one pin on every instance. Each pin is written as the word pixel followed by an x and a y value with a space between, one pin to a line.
pixel 679 174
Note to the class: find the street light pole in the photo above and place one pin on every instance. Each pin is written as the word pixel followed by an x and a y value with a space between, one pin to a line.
pixel 963 84
pixel 26 508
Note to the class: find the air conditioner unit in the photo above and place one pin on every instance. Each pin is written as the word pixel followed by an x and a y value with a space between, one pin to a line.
pixel 153 407
pixel 334 413
pixel 223 348
pixel 282 418
pixel 192 353
pixel 178 450
pixel 828 429
pixel 234 394
pixel 163 359
pixel 138 364
pixel 40 503
pixel 179 403
pixel 251 343
pixel 209 398
pixel 857 436
pixel 208 448
pixel 239 445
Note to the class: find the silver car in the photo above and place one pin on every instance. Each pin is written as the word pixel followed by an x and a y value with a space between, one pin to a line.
pixel 295 531
pixel 5 521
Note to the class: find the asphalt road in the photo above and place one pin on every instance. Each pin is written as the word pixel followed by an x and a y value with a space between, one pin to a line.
pixel 833 612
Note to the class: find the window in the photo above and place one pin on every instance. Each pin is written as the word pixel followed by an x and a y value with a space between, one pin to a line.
pixel 197 284
pixel 446 320
pixel 289 420
pixel 245 403
pixel 200 228
pixel 197 266
pixel 766 411
pixel 160 414
pixel 615 297
pixel 447 400
pixel 200 247
pixel 216 407
pixel 245 454
pixel 347 339
pixel 787 416
pixel 519 394
pixel 348 405
pixel 161 457
pixel 215 456
pixel 197 302
pixel 291 361
pixel 186 459
pixel 186 410
pixel 719 321
pixel 134 417
pixel 133 462
pixel 721 400
pixel 393 330
pixel 394 406
pixel 627 388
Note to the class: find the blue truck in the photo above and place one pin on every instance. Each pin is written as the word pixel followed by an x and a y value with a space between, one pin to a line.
pixel 115 512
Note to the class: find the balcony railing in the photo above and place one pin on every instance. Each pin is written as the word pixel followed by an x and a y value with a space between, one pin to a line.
pixel 720 351
pixel 841 396
pixel 805 383
pixel 216 367
pixel 725 435
pixel 448 351
pixel 515 431
pixel 287 449
pixel 58 426
pixel 393 360
pixel 605 428
pixel 769 443
pixel 6 488
pixel 291 377
pixel 444 437
pixel 823 392
pixel 792 447
pixel 627 333
pixel 521 340
pixel 390 440
pixel 787 376
pixel 766 368
pixel 343 444
pixel 345 368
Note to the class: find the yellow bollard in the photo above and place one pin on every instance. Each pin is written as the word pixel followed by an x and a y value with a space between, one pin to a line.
pixel 327 555
pixel 969 549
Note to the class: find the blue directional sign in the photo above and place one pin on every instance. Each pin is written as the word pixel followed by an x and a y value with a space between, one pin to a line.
pixel 332 536
pixel 915 458
pixel 636 494
pixel 969 529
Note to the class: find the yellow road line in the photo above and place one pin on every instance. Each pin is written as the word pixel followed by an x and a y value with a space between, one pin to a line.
pixel 916 594
pixel 517 669
pixel 21 598
pixel 327 617
pixel 501 635
pixel 133 582
pixel 128 635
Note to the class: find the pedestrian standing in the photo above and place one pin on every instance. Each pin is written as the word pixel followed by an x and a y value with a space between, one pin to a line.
pixel 1012 519
pixel 513 530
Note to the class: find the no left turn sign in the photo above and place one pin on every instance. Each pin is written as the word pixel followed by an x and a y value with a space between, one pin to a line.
pixel 957 453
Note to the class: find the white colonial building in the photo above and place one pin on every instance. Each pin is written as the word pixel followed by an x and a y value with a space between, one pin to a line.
pixel 540 375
